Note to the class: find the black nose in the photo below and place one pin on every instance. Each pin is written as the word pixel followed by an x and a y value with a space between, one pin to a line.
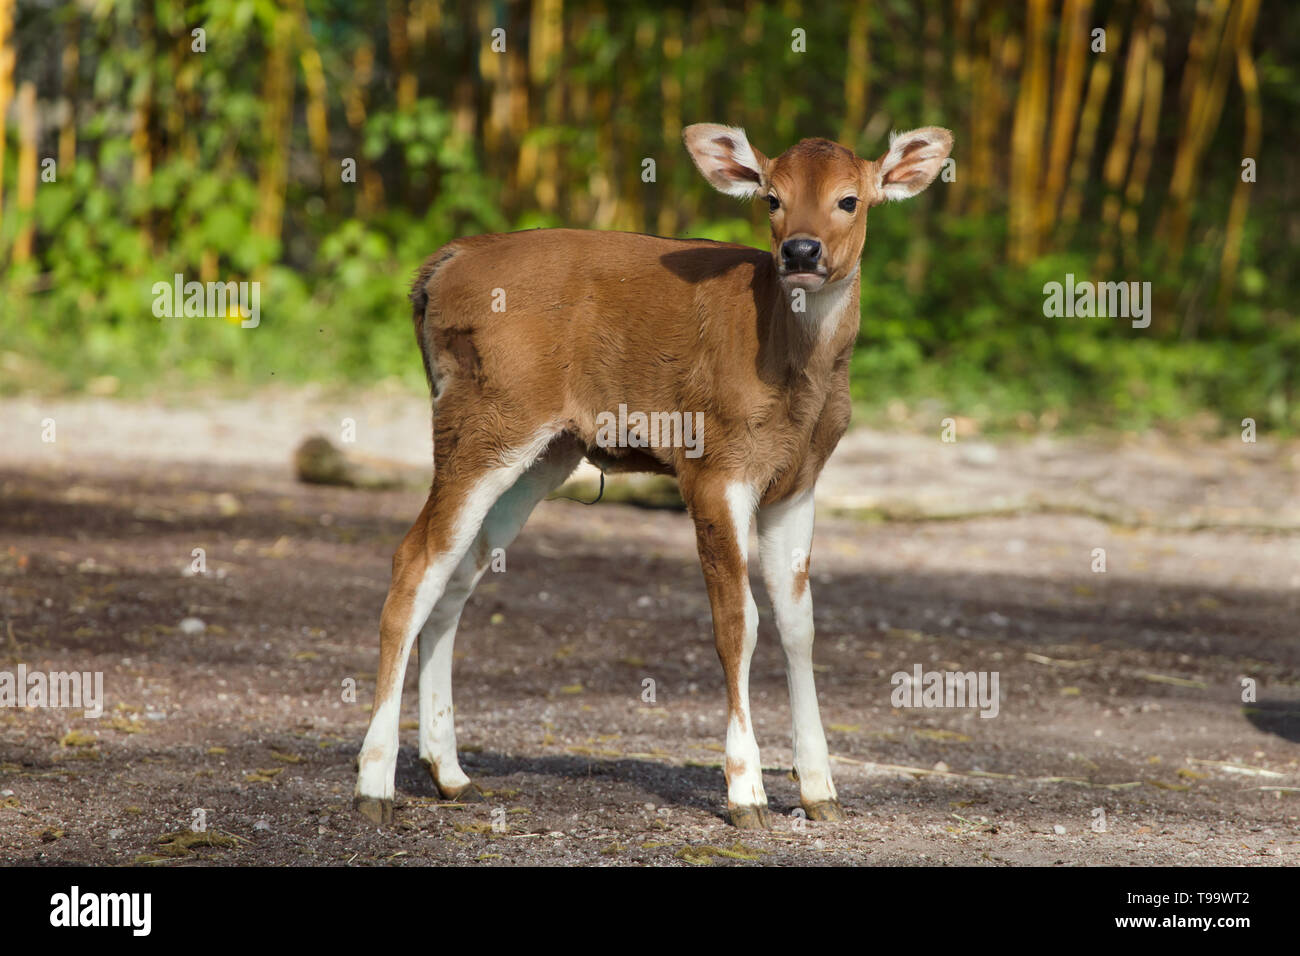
pixel 801 255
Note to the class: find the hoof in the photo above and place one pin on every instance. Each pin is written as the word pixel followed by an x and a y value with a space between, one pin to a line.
pixel 377 811
pixel 825 811
pixel 470 793
pixel 750 818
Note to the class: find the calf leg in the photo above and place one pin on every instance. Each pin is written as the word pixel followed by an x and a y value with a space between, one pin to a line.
pixel 784 538
pixel 722 513
pixel 437 638
pixel 463 493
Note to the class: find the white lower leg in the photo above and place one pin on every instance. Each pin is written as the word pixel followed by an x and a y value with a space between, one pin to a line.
pixel 811 759
pixel 378 759
pixel 744 766
pixel 785 536
pixel 437 639
pixel 377 768
pixel 437 714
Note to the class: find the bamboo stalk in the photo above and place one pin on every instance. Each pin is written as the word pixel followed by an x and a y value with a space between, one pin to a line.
pixel 1250 148
pixel 6 84
pixel 1202 116
pixel 1152 96
pixel 964 15
pixel 983 114
pixel 142 130
pixel 1072 49
pixel 1121 146
pixel 1089 121
pixel 1027 136
pixel 27 137
pixel 539 159
pixel 631 191
pixel 317 112
pixel 70 63
pixel 857 75
pixel 371 195
pixel 670 90
pixel 277 120
pixel 399 49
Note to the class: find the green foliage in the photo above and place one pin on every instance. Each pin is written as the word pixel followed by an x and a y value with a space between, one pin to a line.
pixel 947 324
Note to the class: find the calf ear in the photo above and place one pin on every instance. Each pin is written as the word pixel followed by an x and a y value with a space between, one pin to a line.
pixel 913 160
pixel 724 156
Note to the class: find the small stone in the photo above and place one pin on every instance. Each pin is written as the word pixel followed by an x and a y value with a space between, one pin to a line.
pixel 261 825
pixel 192 625
pixel 979 454
pixel 1058 830
pixel 116 833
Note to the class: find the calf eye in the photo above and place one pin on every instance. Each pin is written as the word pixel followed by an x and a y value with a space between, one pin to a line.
pixel 849 203
pixel 773 203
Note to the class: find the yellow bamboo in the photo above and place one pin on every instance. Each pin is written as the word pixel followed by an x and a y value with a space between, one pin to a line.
pixel 313 73
pixel 539 167
pixel 603 190
pixel 399 48
pixel 71 59
pixel 371 197
pixel 964 17
pixel 857 75
pixel 670 90
pixel 1204 102
pixel 1152 95
pixel 518 113
pixel 978 171
pixel 277 119
pixel 932 62
pixel 1121 146
pixel 630 212
pixel 1089 121
pixel 1027 136
pixel 6 83
pixel 581 199
pixel 1249 149
pixel 27 136
pixel 1071 56
pixel 491 66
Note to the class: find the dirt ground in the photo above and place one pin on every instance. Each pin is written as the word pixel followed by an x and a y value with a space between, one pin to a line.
pixel 1121 737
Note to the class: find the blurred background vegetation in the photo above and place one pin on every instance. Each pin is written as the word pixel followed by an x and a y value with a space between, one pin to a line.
pixel 227 164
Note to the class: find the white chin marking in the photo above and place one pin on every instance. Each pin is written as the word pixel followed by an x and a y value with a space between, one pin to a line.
pixel 804 280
